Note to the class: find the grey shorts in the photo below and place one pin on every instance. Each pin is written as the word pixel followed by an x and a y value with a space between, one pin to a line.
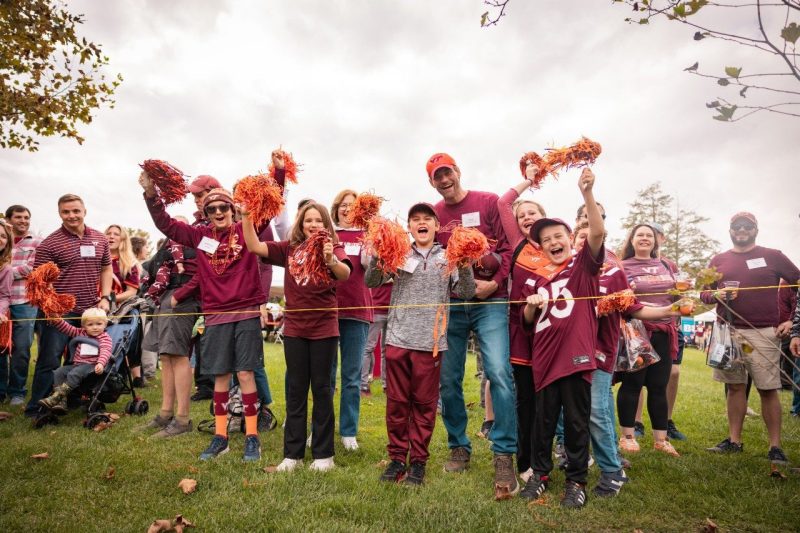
pixel 172 335
pixel 232 347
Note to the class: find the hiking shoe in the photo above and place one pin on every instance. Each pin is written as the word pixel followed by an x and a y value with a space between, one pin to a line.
pixel 727 446
pixel 350 444
pixel 322 465
pixel 666 447
pixel 777 456
pixel 505 478
pixel 19 400
pixel 394 471
pixel 202 395
pixel 173 429
pixel 459 460
pixel 159 422
pixel 638 430
pixel 574 495
pixel 486 428
pixel 287 465
pixel 628 444
pixel 673 433
pixel 535 487
pixel 218 446
pixel 610 483
pixel 266 420
pixel 252 448
pixel 416 475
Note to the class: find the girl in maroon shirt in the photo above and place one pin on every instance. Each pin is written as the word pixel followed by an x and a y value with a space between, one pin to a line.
pixel 311 335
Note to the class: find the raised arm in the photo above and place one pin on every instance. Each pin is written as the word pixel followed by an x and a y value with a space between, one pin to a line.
pixel 372 276
pixel 464 286
pixel 176 230
pixel 251 237
pixel 597 227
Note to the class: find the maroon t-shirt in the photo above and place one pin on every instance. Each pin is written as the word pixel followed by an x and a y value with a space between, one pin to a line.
pixel 321 323
pixel 565 331
pixel 787 301
pixel 760 267
pixel 612 279
pixel 524 268
pixel 353 292
pixel 647 276
pixel 479 209
pixel 120 284
pixel 381 296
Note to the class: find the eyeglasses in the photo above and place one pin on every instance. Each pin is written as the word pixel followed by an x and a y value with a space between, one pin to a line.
pixel 345 206
pixel 222 208
pixel 746 227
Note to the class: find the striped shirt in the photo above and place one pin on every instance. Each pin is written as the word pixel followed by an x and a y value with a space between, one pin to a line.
pixel 80 357
pixel 22 257
pixel 80 260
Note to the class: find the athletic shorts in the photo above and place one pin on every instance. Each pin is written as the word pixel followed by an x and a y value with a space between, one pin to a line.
pixel 172 335
pixel 232 347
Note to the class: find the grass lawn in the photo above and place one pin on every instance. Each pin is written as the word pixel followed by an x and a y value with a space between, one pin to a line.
pixel 68 491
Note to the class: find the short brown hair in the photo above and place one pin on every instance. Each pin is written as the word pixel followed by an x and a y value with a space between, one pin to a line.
pixel 297 236
pixel 70 198
pixel 338 201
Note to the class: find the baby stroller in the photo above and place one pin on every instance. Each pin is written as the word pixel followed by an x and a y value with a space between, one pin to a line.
pixel 97 390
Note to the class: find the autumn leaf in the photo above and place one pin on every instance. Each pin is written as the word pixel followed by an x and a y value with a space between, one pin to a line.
pixel 113 416
pixel 5 416
pixel 178 524
pixel 733 72
pixel 159 525
pixel 484 18
pixel 110 473
pixel 41 456
pixel 187 485
pixel 383 463
pixel 791 33
pixel 270 469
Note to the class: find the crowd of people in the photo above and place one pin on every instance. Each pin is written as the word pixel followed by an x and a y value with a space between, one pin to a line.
pixel 548 356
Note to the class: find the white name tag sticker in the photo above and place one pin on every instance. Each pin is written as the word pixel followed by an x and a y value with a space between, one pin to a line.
pixel 471 220
pixel 87 251
pixel 531 282
pixel 208 245
pixel 411 265
pixel 603 290
pixel 759 262
pixel 88 349
pixel 352 248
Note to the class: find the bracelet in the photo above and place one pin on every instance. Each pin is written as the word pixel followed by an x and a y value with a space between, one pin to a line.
pixel 106 297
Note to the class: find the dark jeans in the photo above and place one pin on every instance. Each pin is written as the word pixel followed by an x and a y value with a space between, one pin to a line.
pixel 51 345
pixel 308 364
pixel 21 340
pixel 655 377
pixel 72 375
pixel 526 402
pixel 204 383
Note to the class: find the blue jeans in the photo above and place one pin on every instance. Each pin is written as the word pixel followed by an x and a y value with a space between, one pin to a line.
pixel 51 345
pixel 352 338
pixel 490 324
pixel 601 423
pixel 262 385
pixel 21 340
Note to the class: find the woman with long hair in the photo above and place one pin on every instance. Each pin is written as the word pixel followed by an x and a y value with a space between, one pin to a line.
pixel 6 278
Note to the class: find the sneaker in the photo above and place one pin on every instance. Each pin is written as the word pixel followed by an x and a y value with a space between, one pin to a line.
pixel 727 446
pixel 666 447
pixel 218 446
pixel 673 433
pixel 350 444
pixel 777 456
pixel 459 460
pixel 19 400
pixel 638 430
pixel 394 472
pixel 173 429
pixel 322 465
pixel 628 444
pixel 202 395
pixel 486 428
pixel 751 411
pixel 159 422
pixel 526 475
pixel 610 484
pixel 416 475
pixel 287 465
pixel 252 448
pixel 266 420
pixel 626 465
pixel 505 478
pixel 535 487
pixel 574 495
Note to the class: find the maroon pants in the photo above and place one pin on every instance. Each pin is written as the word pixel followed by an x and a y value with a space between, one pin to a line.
pixel 412 392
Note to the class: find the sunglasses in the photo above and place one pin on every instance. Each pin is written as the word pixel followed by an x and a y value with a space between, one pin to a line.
pixel 746 227
pixel 222 208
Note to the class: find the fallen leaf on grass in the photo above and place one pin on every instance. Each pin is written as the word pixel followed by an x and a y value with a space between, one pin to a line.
pixel 539 501
pixel 52 433
pixel 709 526
pixel 470 405
pixel 110 473
pixel 5 416
pixel 159 525
pixel 187 485
pixel 383 463
pixel 192 469
pixel 44 455
pixel 178 524
pixel 113 416
pixel 271 469
pixel 101 426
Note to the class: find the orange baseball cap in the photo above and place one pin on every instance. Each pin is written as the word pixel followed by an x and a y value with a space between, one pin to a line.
pixel 438 161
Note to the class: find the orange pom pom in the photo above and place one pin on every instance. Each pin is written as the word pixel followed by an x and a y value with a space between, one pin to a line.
pixel 366 206
pixel 307 262
pixel 262 197
pixel 618 301
pixel 464 246
pixel 168 180
pixel 390 242
pixel 583 153
pixel 290 166
pixel 40 292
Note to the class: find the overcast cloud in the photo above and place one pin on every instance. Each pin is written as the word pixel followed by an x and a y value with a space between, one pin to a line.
pixel 363 92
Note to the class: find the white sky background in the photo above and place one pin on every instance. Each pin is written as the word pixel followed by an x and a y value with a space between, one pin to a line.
pixel 363 92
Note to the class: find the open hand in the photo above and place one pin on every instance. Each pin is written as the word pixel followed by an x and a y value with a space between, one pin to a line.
pixel 279 159
pixel 586 181
pixel 147 184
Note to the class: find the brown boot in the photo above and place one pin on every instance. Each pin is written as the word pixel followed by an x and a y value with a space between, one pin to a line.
pixel 459 460
pixel 57 402
pixel 505 479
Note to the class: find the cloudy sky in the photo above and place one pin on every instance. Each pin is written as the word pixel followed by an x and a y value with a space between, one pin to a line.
pixel 363 92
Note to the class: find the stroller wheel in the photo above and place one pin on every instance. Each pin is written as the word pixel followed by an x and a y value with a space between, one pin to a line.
pixel 42 420
pixel 141 407
pixel 129 407
pixel 95 419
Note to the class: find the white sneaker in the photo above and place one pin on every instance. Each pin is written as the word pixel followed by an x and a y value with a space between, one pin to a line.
pixel 322 465
pixel 287 465
pixel 308 441
pixel 526 475
pixel 751 412
pixel 16 400
pixel 591 460
pixel 350 444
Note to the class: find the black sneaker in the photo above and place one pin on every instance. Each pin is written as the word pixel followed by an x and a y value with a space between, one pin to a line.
pixel 416 475
pixel 777 456
pixel 673 433
pixel 252 448
pixel 727 446
pixel 535 487
pixel 267 421
pixel 574 495
pixel 610 484
pixel 638 429
pixel 394 472
pixel 218 446
pixel 486 428
pixel 202 395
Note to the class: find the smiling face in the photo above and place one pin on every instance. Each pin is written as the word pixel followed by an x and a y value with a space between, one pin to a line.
pixel 113 236
pixel 743 233
pixel 20 222
pixel 448 183
pixel 312 222
pixel 580 238
pixel 527 213
pixel 643 241
pixel 423 227
pixel 344 211
pixel 556 243
pixel 3 238
pixel 72 214
pixel 220 214
pixel 94 326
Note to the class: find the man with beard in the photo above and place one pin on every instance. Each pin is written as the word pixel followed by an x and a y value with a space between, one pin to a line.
pixel 754 314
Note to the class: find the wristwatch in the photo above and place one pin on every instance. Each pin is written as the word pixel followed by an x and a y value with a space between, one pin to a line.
pixel 106 297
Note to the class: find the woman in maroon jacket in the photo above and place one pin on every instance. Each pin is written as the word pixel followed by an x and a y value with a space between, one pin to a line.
pixel 310 335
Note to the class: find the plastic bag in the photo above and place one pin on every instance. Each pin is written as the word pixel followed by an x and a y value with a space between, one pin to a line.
pixel 723 352
pixel 635 350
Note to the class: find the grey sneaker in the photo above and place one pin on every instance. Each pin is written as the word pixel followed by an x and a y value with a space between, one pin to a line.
pixel 459 460
pixel 574 495
pixel 610 483
pixel 159 422
pixel 727 446
pixel 506 485
pixel 776 456
pixel 16 400
pixel 173 429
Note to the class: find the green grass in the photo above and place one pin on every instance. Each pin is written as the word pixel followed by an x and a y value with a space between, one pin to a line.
pixel 68 492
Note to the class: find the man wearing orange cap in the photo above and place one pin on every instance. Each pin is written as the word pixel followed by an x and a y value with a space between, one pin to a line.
pixel 487 316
